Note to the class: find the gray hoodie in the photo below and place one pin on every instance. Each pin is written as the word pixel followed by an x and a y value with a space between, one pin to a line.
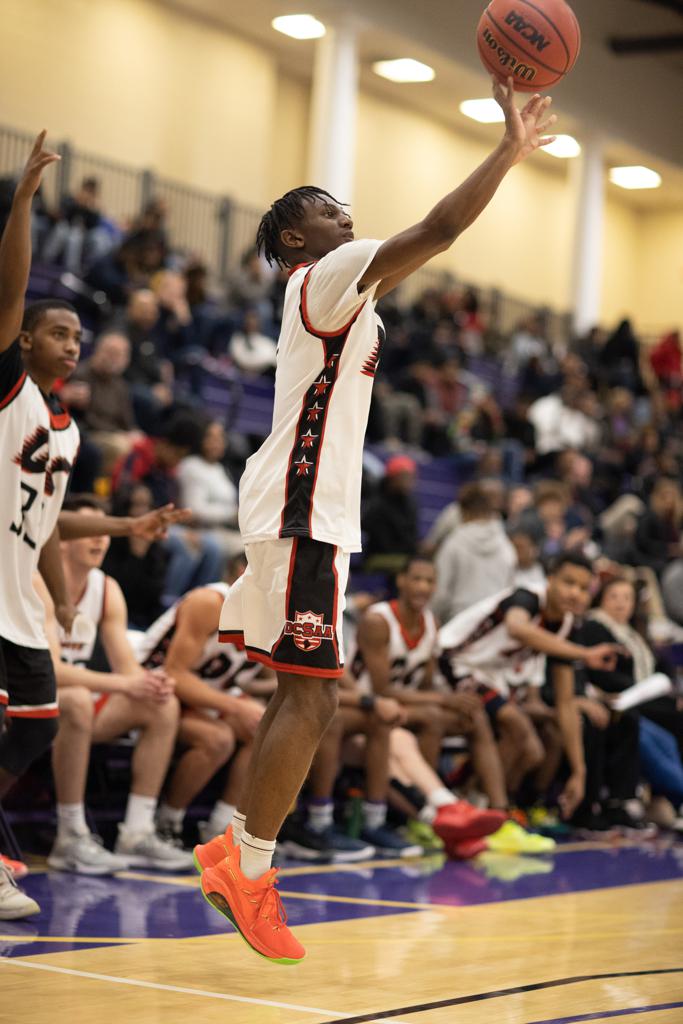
pixel 475 562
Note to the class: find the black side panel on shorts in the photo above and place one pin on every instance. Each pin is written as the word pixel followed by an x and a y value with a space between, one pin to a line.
pixel 309 639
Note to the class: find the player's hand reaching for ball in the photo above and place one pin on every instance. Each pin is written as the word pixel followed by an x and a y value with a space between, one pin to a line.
pixel 39 159
pixel 524 129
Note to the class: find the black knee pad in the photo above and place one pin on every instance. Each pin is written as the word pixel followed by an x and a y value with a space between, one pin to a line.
pixel 24 740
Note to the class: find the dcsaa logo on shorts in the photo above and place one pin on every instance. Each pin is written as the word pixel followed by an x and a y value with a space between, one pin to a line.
pixel 308 630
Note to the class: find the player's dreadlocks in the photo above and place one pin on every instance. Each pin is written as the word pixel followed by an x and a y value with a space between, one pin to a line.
pixel 285 213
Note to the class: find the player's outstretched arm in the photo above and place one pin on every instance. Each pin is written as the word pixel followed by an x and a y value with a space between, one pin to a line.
pixel 149 526
pixel 15 245
pixel 404 253
pixel 51 569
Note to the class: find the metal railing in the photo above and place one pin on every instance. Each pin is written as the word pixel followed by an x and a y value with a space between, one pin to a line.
pixel 218 230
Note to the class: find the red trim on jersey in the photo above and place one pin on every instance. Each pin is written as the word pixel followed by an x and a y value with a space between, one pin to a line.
pixel 34 713
pixel 4 698
pixel 296 670
pixel 232 636
pixel 411 642
pixel 290 577
pixel 14 391
pixel 309 326
pixel 59 420
pixel 299 266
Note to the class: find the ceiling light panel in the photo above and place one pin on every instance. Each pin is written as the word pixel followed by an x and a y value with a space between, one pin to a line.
pixel 405 69
pixel 635 177
pixel 299 26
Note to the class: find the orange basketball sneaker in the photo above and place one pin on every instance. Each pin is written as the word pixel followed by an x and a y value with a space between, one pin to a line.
pixel 207 855
pixel 253 907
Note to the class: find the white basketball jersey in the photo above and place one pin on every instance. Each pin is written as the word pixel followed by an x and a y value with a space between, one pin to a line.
pixel 38 446
pixel 92 605
pixel 305 479
pixel 409 657
pixel 222 666
pixel 476 643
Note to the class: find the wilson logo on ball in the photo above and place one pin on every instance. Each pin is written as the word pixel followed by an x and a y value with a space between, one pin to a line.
pixel 525 72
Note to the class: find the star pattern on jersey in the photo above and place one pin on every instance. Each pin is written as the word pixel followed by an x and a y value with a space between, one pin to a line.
pixel 308 439
pixel 314 412
pixel 303 466
pixel 321 386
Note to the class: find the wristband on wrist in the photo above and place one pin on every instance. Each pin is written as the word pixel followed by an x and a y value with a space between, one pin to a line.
pixel 367 702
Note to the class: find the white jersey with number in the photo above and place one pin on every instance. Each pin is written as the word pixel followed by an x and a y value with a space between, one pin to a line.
pixel 38 446
pixel 409 657
pixel 92 605
pixel 476 643
pixel 222 666
pixel 305 479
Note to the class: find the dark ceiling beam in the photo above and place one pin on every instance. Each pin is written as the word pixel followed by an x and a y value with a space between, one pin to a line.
pixel 645 44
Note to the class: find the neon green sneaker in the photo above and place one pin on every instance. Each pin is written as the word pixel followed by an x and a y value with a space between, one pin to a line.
pixel 424 835
pixel 508 867
pixel 512 838
pixel 541 819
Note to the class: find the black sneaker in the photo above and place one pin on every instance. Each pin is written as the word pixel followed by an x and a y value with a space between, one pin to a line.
pixel 620 819
pixel 329 846
pixel 592 826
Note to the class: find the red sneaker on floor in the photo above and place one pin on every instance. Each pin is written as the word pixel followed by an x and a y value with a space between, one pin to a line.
pixel 207 855
pixel 466 849
pixel 460 820
pixel 17 867
pixel 253 907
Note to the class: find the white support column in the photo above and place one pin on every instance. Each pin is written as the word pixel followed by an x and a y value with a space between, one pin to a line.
pixel 334 104
pixel 588 237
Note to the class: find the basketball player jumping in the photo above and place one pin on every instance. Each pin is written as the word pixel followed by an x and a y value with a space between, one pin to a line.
pixel 300 498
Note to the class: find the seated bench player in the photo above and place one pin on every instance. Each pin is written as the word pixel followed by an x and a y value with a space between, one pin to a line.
pixel 100 707
pixel 218 720
pixel 395 657
pixel 505 640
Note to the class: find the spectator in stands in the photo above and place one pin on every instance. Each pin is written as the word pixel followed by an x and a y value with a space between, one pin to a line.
pixel 174 331
pixel 137 564
pixel 107 414
pixel 99 707
pixel 529 573
pixel 77 238
pixel 206 488
pixel 560 420
pixel 195 557
pixel 390 520
pixel 132 265
pixel 149 374
pixel 672 588
pixel 477 560
pixel 250 349
pixel 659 533
pixel 251 287
pixel 546 520
pixel 450 517
pixel 527 342
pixel 618 363
pixel 667 363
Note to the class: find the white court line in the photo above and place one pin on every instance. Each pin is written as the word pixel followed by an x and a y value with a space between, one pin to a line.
pixel 14 962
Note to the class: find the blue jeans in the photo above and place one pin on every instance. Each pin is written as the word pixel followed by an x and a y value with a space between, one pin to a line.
pixel 191 567
pixel 660 761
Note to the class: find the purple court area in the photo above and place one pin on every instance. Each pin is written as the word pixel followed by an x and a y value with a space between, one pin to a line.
pixel 104 910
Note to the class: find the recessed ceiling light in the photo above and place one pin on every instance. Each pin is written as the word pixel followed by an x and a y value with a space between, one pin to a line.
pixel 299 26
pixel 405 69
pixel 635 177
pixel 485 111
pixel 565 147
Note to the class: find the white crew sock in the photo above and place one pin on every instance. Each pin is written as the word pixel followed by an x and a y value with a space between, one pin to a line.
pixel 441 797
pixel 172 816
pixel 320 815
pixel 221 816
pixel 256 855
pixel 374 813
pixel 71 820
pixel 238 820
pixel 140 813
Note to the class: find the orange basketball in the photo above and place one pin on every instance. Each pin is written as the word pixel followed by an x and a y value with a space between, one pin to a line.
pixel 535 41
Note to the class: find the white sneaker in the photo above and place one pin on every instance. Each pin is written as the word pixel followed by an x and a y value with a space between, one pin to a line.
pixel 14 903
pixel 85 855
pixel 148 850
